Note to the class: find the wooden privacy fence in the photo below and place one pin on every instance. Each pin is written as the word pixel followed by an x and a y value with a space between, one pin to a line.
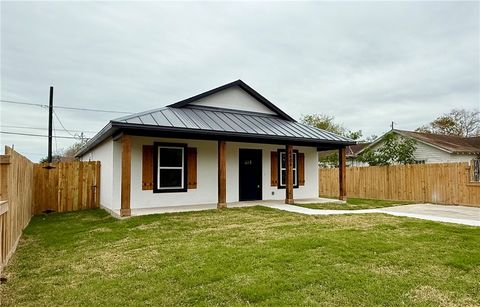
pixel 27 188
pixel 68 186
pixel 16 182
pixel 442 183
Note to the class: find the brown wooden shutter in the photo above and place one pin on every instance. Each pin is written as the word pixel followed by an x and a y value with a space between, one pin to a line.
pixel 274 169
pixel 301 168
pixel 147 167
pixel 192 167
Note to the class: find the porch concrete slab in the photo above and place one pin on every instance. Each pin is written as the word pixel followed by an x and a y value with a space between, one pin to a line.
pixel 172 209
pixel 188 208
pixel 211 206
pixel 440 213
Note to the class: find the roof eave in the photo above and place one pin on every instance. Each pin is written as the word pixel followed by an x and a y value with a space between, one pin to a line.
pixel 226 134
pixel 101 136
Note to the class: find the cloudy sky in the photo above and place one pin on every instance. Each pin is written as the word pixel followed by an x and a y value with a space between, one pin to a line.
pixel 366 63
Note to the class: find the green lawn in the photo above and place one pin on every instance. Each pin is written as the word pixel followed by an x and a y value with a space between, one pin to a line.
pixel 243 256
pixel 357 204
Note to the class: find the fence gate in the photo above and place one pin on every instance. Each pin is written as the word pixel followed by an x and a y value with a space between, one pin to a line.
pixel 66 186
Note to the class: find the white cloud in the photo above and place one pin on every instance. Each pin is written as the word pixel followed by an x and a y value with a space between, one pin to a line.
pixel 365 63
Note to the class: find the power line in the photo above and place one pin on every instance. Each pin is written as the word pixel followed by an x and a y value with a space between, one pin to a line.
pixel 91 110
pixel 63 107
pixel 39 135
pixel 56 116
pixel 24 103
pixel 45 128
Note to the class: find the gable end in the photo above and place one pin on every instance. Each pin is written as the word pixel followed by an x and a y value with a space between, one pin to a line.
pixel 242 85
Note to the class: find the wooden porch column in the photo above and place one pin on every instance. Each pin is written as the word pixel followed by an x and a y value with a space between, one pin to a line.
pixel 126 175
pixel 222 175
pixel 342 170
pixel 289 175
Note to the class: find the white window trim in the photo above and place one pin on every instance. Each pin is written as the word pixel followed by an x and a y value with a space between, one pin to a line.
pixel 294 156
pixel 182 168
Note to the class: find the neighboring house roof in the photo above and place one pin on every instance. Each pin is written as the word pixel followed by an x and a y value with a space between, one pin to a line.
pixel 351 151
pixel 449 143
pixel 186 120
pixel 354 150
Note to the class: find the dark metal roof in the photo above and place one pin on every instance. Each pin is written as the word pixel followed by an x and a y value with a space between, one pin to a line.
pixel 227 120
pixel 184 120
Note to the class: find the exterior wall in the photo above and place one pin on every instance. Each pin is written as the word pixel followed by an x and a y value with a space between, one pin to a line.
pixel 104 153
pixel 431 154
pixel 206 191
pixel 233 98
pixel 434 155
pixel 109 154
pixel 309 190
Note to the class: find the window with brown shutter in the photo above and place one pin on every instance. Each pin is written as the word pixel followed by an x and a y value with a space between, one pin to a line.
pixel 301 168
pixel 273 169
pixel 192 167
pixel 147 167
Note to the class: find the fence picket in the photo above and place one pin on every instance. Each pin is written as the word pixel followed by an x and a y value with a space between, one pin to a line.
pixel 443 183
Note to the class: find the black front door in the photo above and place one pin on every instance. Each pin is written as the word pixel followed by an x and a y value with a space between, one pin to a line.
pixel 250 174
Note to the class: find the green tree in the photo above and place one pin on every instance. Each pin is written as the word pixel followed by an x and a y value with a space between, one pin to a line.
pixel 324 122
pixel 327 123
pixel 459 122
pixel 394 150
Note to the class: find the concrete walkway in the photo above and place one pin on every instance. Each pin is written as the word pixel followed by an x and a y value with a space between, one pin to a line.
pixel 439 213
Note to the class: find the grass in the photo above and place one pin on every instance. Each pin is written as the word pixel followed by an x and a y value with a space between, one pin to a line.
pixel 243 256
pixel 356 204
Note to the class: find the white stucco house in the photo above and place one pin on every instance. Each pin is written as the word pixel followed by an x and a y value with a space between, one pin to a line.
pixel 223 146
pixel 436 148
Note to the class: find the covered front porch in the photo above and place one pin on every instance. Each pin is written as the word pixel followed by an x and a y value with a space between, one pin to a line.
pixel 227 158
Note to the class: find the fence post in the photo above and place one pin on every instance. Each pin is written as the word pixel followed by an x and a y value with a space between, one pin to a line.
pixel 4 164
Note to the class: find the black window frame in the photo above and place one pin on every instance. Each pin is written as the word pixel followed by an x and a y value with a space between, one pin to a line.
pixel 279 168
pixel 156 147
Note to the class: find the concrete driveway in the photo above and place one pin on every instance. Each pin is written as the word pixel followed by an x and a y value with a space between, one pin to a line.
pixel 440 213
pixel 450 214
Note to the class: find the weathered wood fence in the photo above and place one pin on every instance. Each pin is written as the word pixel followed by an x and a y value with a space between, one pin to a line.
pixel 16 182
pixel 27 189
pixel 442 183
pixel 67 186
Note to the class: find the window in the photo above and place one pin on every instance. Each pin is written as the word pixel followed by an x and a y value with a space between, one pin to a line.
pixel 170 167
pixel 475 170
pixel 282 167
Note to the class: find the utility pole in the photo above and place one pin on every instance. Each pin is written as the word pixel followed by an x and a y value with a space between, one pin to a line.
pixel 392 124
pixel 50 122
